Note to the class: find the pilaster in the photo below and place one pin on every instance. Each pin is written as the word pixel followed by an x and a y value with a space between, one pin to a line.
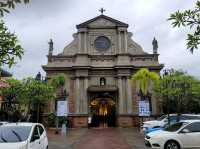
pixel 85 102
pixel 77 107
pixel 129 96
pixel 121 104
pixel 119 42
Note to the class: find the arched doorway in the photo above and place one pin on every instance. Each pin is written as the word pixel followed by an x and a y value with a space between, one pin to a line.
pixel 102 102
pixel 103 112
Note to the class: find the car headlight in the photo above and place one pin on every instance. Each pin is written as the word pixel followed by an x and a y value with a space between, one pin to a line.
pixel 148 137
pixel 24 147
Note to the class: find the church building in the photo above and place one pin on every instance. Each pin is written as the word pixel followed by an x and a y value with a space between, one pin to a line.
pixel 99 63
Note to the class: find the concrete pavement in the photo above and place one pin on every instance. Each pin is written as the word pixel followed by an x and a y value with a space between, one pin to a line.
pixel 98 138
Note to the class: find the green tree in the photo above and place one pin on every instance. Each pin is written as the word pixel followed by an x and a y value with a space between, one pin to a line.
pixel 36 94
pixel 189 19
pixel 177 91
pixel 58 80
pixel 15 87
pixel 145 77
pixel 10 49
pixel 6 5
pixel 12 94
pixel 28 93
pixel 31 93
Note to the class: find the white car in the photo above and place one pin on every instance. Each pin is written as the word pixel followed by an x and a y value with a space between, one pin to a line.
pixel 185 134
pixel 163 120
pixel 3 123
pixel 23 136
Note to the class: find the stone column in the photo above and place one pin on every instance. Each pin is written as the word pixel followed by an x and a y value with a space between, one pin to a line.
pixel 120 102
pixel 85 101
pixel 85 42
pixel 125 42
pixel 79 42
pixel 129 96
pixel 119 42
pixel 77 95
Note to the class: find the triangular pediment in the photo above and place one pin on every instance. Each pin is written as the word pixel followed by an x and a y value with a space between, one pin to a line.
pixel 102 21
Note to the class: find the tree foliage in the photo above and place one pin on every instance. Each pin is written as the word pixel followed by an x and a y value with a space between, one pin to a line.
pixel 58 80
pixel 14 91
pixel 145 77
pixel 37 91
pixel 178 91
pixel 6 5
pixel 10 49
pixel 28 90
pixel 189 18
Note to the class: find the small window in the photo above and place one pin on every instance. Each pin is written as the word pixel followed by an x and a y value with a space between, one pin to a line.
pixel 102 81
pixel 41 130
pixel 194 127
pixel 35 133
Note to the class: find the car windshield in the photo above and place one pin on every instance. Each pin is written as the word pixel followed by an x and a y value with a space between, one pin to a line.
pixel 174 127
pixel 13 134
pixel 161 118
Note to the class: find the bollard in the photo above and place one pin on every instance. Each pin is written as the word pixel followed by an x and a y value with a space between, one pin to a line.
pixel 64 130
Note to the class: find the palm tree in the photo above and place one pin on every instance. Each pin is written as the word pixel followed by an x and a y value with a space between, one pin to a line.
pixel 145 77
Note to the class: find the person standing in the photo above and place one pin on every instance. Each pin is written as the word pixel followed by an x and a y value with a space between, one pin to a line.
pixel 89 121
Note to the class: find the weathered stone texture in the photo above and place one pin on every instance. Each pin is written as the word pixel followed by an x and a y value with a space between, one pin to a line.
pixel 85 65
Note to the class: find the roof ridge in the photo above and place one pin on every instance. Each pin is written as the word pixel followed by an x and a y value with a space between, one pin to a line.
pixel 84 24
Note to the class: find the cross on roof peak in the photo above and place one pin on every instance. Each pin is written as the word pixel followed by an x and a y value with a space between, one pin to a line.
pixel 102 10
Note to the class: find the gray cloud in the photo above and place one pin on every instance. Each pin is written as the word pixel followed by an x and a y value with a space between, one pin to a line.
pixel 41 20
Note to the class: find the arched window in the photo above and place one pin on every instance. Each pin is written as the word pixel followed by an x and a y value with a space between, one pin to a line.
pixel 102 81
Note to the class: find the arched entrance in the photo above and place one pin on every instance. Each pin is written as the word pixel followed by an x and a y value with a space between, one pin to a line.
pixel 103 112
pixel 102 106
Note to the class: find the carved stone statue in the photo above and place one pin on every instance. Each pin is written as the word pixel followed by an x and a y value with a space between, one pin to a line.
pixel 155 46
pixel 51 47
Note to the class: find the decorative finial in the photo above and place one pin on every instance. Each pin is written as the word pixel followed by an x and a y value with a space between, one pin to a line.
pixel 51 47
pixel 102 11
pixel 155 46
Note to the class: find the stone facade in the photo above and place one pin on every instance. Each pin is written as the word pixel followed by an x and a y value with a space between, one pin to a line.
pixel 115 56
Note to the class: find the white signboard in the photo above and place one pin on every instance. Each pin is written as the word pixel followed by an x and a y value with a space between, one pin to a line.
pixel 62 108
pixel 144 109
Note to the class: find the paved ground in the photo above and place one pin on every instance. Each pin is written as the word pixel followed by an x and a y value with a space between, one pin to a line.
pixel 98 138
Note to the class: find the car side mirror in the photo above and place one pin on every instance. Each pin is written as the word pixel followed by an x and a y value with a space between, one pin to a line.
pixel 166 121
pixel 185 131
pixel 35 137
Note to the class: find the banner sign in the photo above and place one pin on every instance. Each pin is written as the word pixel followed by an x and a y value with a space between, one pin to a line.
pixel 62 108
pixel 144 109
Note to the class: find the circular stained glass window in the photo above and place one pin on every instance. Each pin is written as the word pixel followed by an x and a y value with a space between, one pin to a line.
pixel 102 43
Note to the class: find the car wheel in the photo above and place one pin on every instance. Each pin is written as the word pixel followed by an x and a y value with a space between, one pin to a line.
pixel 172 145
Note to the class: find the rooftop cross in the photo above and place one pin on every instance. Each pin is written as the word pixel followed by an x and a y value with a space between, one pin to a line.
pixel 102 10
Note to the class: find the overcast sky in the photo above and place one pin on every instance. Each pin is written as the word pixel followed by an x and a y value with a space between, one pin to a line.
pixel 41 20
